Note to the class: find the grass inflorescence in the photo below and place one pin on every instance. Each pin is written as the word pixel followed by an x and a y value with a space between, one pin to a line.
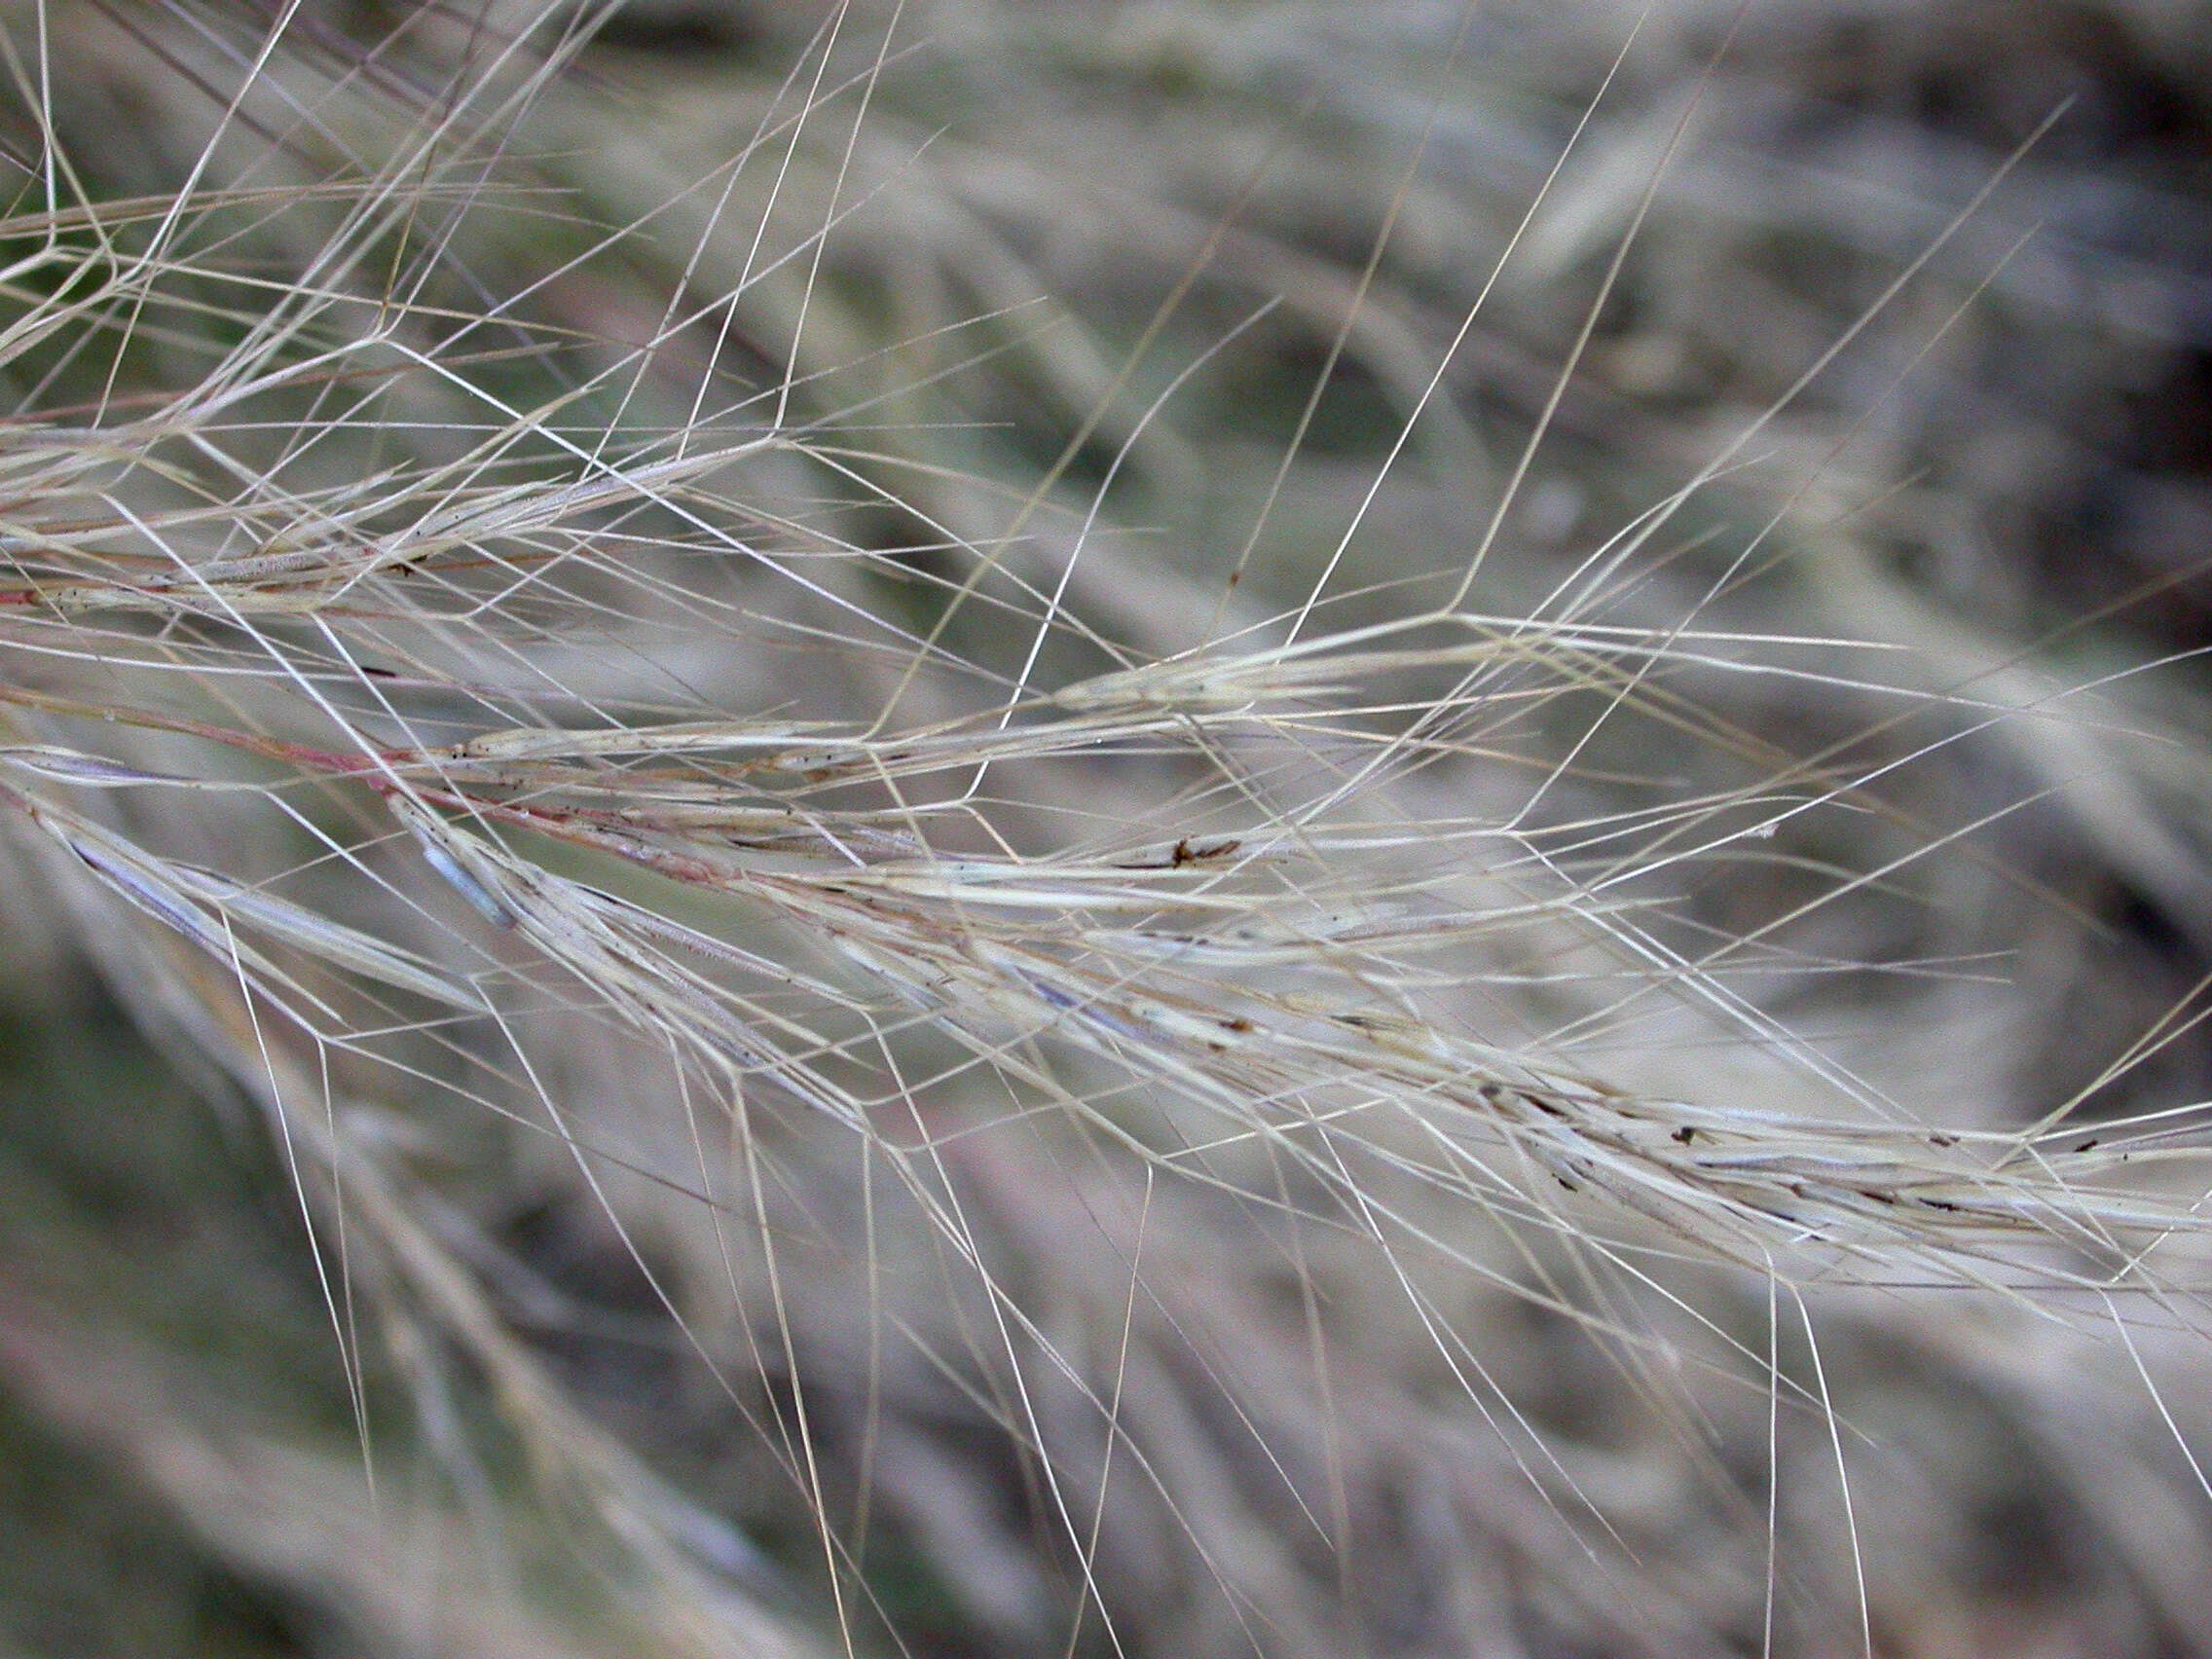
pixel 921 980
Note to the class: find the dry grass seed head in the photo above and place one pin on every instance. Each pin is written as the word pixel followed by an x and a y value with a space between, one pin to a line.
pixel 565 741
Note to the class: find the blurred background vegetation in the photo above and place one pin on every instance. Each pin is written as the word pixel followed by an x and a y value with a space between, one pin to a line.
pixel 1932 284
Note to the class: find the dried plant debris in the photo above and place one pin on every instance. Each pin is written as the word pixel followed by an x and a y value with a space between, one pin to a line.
pixel 1156 828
